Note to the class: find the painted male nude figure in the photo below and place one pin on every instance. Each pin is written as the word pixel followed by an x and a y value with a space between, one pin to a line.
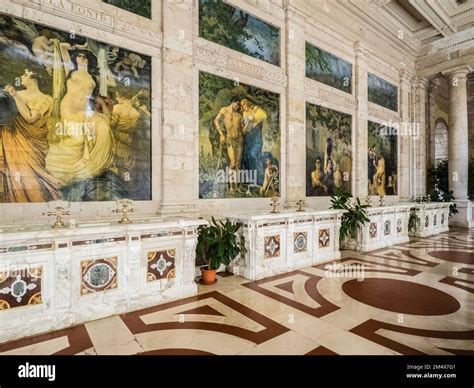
pixel 232 137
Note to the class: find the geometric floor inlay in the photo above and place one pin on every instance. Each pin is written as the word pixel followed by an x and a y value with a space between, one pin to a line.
pixel 413 298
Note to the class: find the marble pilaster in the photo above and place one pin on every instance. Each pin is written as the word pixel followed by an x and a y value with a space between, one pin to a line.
pixel 405 137
pixel 419 143
pixel 295 108
pixel 179 154
pixel 360 138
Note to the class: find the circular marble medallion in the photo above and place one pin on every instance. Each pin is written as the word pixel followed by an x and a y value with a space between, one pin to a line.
pixel 401 296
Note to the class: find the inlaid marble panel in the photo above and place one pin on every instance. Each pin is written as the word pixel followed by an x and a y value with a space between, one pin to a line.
pixel 161 265
pixel 98 275
pixel 300 242
pixel 324 237
pixel 399 225
pixel 272 246
pixel 21 287
pixel 427 221
pixel 373 229
pixel 387 227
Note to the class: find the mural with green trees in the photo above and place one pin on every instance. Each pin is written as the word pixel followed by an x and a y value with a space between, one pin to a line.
pixel 328 68
pixel 234 28
pixel 239 139
pixel 328 150
pixel 140 7
pixel 383 159
pixel 382 93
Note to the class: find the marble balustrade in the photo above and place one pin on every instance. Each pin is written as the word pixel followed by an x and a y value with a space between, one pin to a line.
pixel 282 242
pixel 388 225
pixel 432 218
pixel 54 278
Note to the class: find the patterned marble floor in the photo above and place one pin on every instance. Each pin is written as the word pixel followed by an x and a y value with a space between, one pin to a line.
pixel 413 298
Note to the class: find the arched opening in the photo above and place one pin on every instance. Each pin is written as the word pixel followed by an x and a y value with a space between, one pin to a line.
pixel 441 140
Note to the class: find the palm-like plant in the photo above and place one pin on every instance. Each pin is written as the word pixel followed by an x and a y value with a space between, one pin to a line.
pixel 354 217
pixel 218 243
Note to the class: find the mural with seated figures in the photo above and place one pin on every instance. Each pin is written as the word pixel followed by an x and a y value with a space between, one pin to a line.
pixel 328 150
pixel 382 160
pixel 234 28
pixel 239 139
pixel 75 121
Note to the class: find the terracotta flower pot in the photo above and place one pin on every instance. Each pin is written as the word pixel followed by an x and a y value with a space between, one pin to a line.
pixel 208 275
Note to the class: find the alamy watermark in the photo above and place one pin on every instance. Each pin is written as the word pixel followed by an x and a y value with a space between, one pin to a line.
pixel 238 176
pixel 399 128
pixel 336 270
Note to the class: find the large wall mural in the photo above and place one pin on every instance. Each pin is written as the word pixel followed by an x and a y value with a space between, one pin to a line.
pixel 75 120
pixel 141 7
pixel 231 27
pixel 382 93
pixel 383 159
pixel 328 68
pixel 328 150
pixel 239 139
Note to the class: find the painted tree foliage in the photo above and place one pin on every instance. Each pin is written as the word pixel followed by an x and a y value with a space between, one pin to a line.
pixel 231 27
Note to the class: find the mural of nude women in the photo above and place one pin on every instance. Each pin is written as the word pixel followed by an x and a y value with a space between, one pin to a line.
pixel 77 125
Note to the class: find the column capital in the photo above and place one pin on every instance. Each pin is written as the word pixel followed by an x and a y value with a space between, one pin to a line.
pixel 361 49
pixel 458 71
pixel 420 82
pixel 405 76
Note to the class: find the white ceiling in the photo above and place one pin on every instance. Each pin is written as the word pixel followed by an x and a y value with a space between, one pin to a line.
pixel 424 21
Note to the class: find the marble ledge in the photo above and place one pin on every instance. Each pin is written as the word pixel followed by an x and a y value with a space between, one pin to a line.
pixel 9 232
pixel 284 214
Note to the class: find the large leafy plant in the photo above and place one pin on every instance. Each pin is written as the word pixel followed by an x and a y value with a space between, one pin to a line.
pixel 218 243
pixel 413 221
pixel 355 215
pixel 439 184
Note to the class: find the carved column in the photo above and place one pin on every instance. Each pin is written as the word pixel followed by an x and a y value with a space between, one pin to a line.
pixel 360 138
pixel 458 143
pixel 295 109
pixel 403 189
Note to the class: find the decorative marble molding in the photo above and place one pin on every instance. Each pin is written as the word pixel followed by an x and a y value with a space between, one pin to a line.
pixel 134 32
pixel 148 32
pixel 311 89
pixel 206 55
pixel 381 113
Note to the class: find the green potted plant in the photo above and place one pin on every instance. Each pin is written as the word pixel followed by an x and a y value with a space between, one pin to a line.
pixel 438 180
pixel 218 243
pixel 413 221
pixel 354 217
